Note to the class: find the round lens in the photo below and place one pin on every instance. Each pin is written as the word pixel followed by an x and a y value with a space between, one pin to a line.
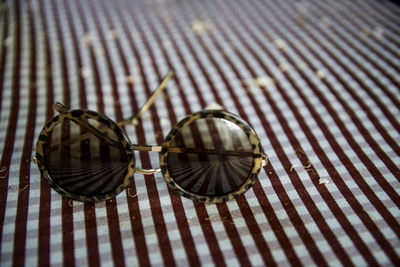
pixel 210 157
pixel 85 157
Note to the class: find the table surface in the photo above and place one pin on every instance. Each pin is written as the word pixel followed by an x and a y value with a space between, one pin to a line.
pixel 318 81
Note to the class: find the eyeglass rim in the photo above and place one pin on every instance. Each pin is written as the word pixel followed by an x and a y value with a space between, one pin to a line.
pixel 72 115
pixel 222 114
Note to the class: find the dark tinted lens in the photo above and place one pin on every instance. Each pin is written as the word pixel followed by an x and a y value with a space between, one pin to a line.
pixel 214 157
pixel 83 163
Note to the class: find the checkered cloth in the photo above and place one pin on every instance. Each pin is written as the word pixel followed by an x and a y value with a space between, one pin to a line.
pixel 318 81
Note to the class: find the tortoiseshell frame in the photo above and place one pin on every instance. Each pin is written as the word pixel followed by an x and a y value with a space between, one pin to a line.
pixel 74 115
pixel 258 156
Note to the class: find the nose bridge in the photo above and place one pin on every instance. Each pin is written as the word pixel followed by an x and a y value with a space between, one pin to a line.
pixel 147 171
pixel 147 148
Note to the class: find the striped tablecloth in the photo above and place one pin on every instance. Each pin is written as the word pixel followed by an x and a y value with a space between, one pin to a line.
pixel 318 81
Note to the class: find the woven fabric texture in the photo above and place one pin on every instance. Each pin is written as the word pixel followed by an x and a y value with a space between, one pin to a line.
pixel 319 81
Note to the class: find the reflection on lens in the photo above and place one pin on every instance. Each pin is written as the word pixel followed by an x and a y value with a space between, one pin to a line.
pixel 83 163
pixel 210 157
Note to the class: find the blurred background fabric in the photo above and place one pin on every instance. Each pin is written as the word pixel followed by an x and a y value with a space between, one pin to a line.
pixel 319 81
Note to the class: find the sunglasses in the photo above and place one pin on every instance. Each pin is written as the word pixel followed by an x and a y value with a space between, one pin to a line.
pixel 210 156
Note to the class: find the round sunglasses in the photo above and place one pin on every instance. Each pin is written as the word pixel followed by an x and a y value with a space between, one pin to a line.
pixel 210 156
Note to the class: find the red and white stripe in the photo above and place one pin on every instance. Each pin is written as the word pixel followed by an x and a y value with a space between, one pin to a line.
pixel 336 108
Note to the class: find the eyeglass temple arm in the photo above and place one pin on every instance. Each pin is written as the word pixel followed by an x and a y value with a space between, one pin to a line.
pixel 60 108
pixel 133 119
